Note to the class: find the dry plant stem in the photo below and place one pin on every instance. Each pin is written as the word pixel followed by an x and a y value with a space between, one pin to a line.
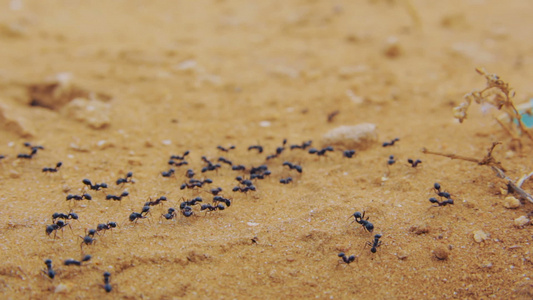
pixel 488 160
pixel 523 179
pixel 515 187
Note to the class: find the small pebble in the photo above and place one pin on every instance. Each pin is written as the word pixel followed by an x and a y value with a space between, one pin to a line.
pixel 441 253
pixel 511 202
pixel 521 221
pixel 166 142
pixel 480 236
pixel 357 137
pixel 265 124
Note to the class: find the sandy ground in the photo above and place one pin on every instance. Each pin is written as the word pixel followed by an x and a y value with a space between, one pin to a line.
pixel 169 76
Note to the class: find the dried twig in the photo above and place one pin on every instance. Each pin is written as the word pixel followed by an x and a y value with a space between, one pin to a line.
pixel 496 166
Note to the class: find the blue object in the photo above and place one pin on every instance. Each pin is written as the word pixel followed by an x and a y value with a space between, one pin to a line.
pixel 527 119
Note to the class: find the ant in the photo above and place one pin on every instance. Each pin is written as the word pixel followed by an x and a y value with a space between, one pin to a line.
pixel 441 203
pixel 55 227
pixel 285 180
pixel 96 186
pixel 171 214
pixel 238 168
pixel 414 163
pixel 210 207
pixel 91 232
pixel 189 173
pixel 71 261
pixel 225 149
pixel 225 160
pixel 320 152
pixel 134 216
pixel 210 167
pixel 177 164
pixel 348 153
pixel 222 199
pixel 195 183
pixel 303 146
pixel 279 150
pixel 186 211
pixel 49 271
pixel 190 202
pixel 87 240
pixel 359 218
pixel 70 215
pixel 177 157
pixel 391 160
pixel 53 170
pixel 34 150
pixel 107 226
pixel 156 201
pixel 293 166
pixel 436 188
pixel 117 198
pixel 216 191
pixel 79 198
pixel 391 143
pixel 375 244
pixel 244 189
pixel 259 148
pixel 345 259
pixel 126 179
pixel 107 285
pixel 260 176
pixel 168 173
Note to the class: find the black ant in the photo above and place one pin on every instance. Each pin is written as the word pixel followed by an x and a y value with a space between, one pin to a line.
pixel 171 214
pixel 260 176
pixel 285 180
pixel 53 170
pixel 391 160
pixel 259 148
pixel 436 188
pixel 108 226
pixel 244 189
pixel 303 146
pixel 49 271
pixel 117 198
pixel 156 201
pixel 87 240
pixel 320 152
pixel 177 157
pixel 345 259
pixel 441 203
pixel 210 168
pixel 60 224
pixel 222 199
pixel 210 207
pixel 348 153
pixel 70 262
pixel 225 160
pixel 92 232
pixel 216 191
pixel 186 211
pixel 96 186
pixel 126 179
pixel 78 197
pixel 293 166
pixel 279 150
pixel 225 149
pixel 359 218
pixel 107 285
pixel 191 202
pixel 238 168
pixel 34 150
pixel 195 183
pixel 189 173
pixel 177 164
pixel 414 163
pixel 70 215
pixel 168 173
pixel 391 143
pixel 134 216
pixel 375 244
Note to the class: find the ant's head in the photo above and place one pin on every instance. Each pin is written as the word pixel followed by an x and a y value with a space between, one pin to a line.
pixel 129 174
pixel 341 254
pixel 112 224
pixel 86 181
pixel 436 186
pixel 124 194
pixel 74 216
pixel 357 215
pixel 86 258
pixel 377 236
pixel 433 200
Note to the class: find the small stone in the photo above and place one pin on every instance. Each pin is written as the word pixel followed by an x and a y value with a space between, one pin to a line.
pixel 265 124
pixel 103 144
pixel 166 142
pixel 441 253
pixel 60 288
pixel 14 174
pixel 252 224
pixel 511 202
pixel 360 136
pixel 521 221
pixel 480 236
pixel 402 255
pixel 419 229
pixel 95 113
pixel 78 148
pixel 66 188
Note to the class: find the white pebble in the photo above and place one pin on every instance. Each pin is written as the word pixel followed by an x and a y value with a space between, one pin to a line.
pixel 166 142
pixel 265 123
pixel 521 221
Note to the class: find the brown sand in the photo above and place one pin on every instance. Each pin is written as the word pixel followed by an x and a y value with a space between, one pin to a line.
pixel 198 74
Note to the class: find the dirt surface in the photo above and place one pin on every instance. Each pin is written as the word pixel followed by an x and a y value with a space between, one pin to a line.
pixel 109 87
